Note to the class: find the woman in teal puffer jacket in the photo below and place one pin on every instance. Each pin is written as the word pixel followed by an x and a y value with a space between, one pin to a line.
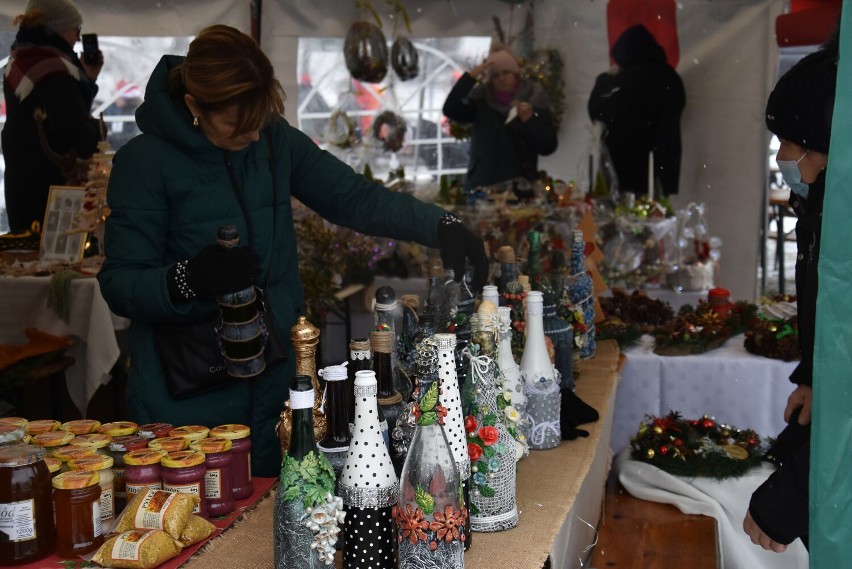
pixel 209 123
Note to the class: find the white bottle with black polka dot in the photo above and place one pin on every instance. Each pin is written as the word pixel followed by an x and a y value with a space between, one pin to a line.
pixel 368 485
pixel 454 421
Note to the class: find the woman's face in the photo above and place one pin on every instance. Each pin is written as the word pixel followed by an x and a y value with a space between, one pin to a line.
pixel 810 166
pixel 219 126
pixel 504 81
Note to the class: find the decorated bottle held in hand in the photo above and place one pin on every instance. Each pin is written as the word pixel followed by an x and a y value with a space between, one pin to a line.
pixel 430 515
pixel 241 330
pixel 307 514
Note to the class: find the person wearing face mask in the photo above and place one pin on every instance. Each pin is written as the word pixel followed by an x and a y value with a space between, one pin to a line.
pixel 799 112
pixel 215 150
pixel 511 119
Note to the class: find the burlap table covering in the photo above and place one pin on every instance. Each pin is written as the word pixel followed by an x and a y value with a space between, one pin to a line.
pixel 548 484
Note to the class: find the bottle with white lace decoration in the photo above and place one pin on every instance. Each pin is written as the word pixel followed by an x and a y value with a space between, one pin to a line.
pixel 511 386
pixel 540 385
pixel 335 444
pixel 491 448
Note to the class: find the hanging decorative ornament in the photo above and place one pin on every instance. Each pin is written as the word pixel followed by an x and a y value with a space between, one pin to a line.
pixel 340 130
pixel 389 128
pixel 365 51
pixel 404 59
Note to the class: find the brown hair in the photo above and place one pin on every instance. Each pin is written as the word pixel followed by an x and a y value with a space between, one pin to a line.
pixel 224 67
pixel 31 19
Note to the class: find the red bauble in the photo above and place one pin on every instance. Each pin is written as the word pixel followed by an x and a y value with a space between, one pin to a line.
pixel 664 450
pixel 708 423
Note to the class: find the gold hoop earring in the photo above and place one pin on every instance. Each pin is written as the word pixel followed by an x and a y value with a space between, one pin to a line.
pixel 194 121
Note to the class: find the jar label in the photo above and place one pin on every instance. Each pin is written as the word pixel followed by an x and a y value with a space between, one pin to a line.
pixel 213 484
pixel 194 488
pixel 17 520
pixel 107 504
pixel 96 518
pixel 118 483
pixel 128 544
pixel 152 511
pixel 133 489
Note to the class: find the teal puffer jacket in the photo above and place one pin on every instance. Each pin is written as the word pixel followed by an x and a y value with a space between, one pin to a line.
pixel 170 190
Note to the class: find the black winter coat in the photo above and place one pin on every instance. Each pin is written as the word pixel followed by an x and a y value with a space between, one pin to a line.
pixel 68 127
pixel 780 505
pixel 499 151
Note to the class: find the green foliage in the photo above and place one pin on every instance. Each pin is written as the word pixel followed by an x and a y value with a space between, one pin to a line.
pixel 311 479
pixel 430 398
pixel 487 491
pixel 424 500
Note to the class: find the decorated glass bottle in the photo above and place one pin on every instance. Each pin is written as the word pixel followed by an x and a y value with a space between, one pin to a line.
pixel 540 385
pixel 305 339
pixel 430 513
pixel 454 420
pixel 437 299
pixel 410 330
pixel 493 505
pixel 335 444
pixel 390 400
pixel 561 335
pixel 369 486
pixel 240 333
pixel 508 268
pixel 307 513
pixel 387 309
pixel 489 293
pixel 581 290
pixel 511 385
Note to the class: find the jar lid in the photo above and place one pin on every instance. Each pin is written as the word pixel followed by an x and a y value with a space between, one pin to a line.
pixel 191 432
pixel 74 479
pixel 143 456
pixel 41 426
pixel 53 438
pixel 118 428
pixel 91 463
pixel 81 426
pixel 17 421
pixel 10 433
pixel 53 464
pixel 20 455
pixel 169 444
pixel 154 430
pixel 718 291
pixel 70 452
pixel 94 440
pixel 230 431
pixel 183 459
pixel 211 445
pixel 127 443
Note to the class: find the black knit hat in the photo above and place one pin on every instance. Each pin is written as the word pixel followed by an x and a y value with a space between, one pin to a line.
pixel 802 104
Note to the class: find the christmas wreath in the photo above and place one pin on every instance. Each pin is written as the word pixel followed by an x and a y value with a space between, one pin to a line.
pixel 696 447
pixel 389 128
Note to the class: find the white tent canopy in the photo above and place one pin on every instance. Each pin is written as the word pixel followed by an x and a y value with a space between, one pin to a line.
pixel 727 61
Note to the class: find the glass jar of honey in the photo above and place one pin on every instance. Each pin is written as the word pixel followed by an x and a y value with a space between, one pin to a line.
pixel 70 452
pixel 183 471
pixel 98 441
pixel 77 504
pixel 155 430
pixel 191 432
pixel 26 509
pixel 119 428
pixel 103 466
pixel 52 440
pixel 169 444
pixel 240 437
pixel 117 449
pixel 81 426
pixel 34 428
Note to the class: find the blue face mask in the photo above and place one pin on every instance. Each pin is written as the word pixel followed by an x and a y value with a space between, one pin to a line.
pixel 793 176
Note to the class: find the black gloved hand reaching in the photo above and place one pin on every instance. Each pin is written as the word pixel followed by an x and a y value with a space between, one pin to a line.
pixel 213 271
pixel 458 244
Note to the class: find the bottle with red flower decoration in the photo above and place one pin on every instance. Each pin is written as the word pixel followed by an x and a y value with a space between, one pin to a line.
pixel 540 385
pixel 429 514
pixel 368 485
pixel 581 289
pixel 491 447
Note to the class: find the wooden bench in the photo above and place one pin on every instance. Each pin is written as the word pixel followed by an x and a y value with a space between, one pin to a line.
pixel 639 534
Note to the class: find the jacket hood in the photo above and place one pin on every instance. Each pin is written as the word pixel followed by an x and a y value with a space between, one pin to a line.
pixel 162 116
pixel 637 45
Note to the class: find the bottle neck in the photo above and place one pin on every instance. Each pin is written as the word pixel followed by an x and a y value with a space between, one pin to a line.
pixel 302 440
pixel 336 416
pixel 384 374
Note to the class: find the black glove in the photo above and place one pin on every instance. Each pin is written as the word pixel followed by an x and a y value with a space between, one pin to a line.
pixel 458 243
pixel 213 271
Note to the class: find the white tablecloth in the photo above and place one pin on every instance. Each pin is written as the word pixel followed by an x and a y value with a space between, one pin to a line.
pixel 725 500
pixel 23 304
pixel 730 384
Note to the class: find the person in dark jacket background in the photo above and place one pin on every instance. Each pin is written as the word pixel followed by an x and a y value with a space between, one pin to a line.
pixel 216 150
pixel 640 101
pixel 799 112
pixel 511 118
pixel 45 73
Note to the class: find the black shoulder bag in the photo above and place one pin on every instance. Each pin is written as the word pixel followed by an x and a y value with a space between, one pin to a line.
pixel 191 354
